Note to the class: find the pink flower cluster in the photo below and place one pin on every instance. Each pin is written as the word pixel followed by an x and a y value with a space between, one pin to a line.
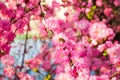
pixel 8 61
pixel 113 51
pixel 23 76
pixel 80 38
pixel 99 31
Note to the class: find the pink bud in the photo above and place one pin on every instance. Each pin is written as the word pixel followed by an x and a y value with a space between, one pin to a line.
pixel 99 3
pixel 107 11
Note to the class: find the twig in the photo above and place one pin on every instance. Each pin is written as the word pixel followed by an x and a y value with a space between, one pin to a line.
pixel 41 10
pixel 113 75
pixel 25 46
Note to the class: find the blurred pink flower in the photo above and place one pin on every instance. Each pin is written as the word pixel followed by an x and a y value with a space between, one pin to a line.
pixel 64 76
pixel 108 11
pixel 46 65
pixel 83 25
pixel 101 47
pixel 43 30
pixel 24 76
pixel 61 56
pixel 59 39
pixel 33 63
pixel 52 24
pixel 116 3
pixel 99 3
pixel 99 31
pixel 114 53
pixel 9 71
pixel 7 59
pixel 5 25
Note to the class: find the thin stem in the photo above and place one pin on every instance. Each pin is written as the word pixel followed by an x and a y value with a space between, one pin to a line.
pixel 113 75
pixel 71 63
pixel 40 73
pixel 41 10
pixel 16 76
pixel 25 46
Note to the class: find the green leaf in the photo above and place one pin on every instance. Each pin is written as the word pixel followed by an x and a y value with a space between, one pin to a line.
pixel 90 15
pixel 48 77
pixel 93 8
pixel 105 53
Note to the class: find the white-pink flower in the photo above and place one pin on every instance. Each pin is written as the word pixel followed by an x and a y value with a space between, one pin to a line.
pixel 64 76
pixel 99 31
pixel 52 24
pixel 83 26
pixel 59 39
pixel 114 53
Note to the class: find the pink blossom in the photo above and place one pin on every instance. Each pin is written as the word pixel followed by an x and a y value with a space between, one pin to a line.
pixel 114 53
pixel 105 69
pixel 33 63
pixel 79 50
pixel 19 11
pixel 64 76
pixel 92 77
pixel 101 77
pixel 99 3
pixel 80 46
pixel 70 32
pixel 101 47
pixel 43 31
pixel 46 65
pixel 83 74
pixel 109 44
pixel 5 24
pixel 99 31
pixel 61 56
pixel 22 22
pixel 2 6
pixel 97 63
pixel 7 59
pixel 5 47
pixel 92 52
pixel 83 25
pixel 52 24
pixel 3 9
pixel 93 42
pixel 116 2
pixel 104 77
pixel 59 39
pixel 74 72
pixel 11 13
pixel 55 4
pixel 25 76
pixel 81 63
pixel 85 40
pixel 9 71
pixel 10 36
pixel 107 11
pixel 59 69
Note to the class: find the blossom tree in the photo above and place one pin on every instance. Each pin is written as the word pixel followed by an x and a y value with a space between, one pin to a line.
pixel 84 37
